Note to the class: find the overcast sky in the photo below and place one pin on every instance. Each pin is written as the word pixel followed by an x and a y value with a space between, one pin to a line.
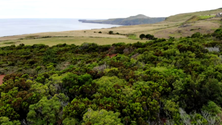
pixel 101 9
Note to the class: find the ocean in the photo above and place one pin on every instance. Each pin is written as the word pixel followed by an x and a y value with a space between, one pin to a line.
pixel 9 27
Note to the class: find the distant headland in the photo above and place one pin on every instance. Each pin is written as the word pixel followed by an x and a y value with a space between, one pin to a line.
pixel 132 20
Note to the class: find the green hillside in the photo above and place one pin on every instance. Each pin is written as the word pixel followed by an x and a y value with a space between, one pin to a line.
pixel 186 16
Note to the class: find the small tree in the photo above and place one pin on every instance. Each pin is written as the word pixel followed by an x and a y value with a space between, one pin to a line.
pixel 142 36
pixel 149 36
pixel 110 32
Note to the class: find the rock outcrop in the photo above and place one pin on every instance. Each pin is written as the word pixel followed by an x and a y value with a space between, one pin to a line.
pixel 219 14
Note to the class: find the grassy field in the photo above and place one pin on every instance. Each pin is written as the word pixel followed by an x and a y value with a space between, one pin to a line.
pixel 177 26
pixel 69 40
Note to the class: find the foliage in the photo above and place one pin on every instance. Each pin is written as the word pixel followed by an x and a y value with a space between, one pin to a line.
pixel 142 36
pixel 6 121
pixel 196 35
pixel 218 33
pixel 161 81
pixel 205 17
pixel 47 111
pixel 110 32
pixel 212 108
pixel 70 121
pixel 150 37
pixel 133 36
pixel 101 117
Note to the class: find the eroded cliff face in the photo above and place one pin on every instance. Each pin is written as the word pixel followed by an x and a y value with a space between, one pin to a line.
pixel 219 14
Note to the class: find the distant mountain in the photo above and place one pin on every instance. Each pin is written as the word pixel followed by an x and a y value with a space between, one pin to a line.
pixel 132 20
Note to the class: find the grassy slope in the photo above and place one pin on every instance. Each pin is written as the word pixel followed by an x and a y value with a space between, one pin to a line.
pixel 172 26
pixel 186 16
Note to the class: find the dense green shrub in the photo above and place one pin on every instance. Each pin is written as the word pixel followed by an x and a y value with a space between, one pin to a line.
pixel 110 32
pixel 218 33
pixel 196 35
pixel 142 36
pixel 174 81
pixel 150 37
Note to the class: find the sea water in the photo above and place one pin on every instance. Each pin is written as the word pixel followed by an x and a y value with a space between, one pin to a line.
pixel 10 27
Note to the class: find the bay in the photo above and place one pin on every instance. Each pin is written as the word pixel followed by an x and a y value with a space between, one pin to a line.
pixel 10 27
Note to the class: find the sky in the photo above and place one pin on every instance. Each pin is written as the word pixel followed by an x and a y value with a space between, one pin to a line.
pixel 101 9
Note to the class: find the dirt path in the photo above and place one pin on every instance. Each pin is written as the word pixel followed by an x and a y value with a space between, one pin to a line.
pixel 1 79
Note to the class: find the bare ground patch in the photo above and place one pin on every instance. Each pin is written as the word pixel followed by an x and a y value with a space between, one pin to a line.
pixel 1 79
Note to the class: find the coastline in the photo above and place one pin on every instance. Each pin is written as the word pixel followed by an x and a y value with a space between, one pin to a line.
pixel 26 26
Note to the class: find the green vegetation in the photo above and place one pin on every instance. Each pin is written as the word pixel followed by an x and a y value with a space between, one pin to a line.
pixel 150 37
pixel 147 36
pixel 200 17
pixel 133 37
pixel 186 16
pixel 8 42
pixel 142 36
pixel 206 17
pixel 101 117
pixel 110 32
pixel 161 81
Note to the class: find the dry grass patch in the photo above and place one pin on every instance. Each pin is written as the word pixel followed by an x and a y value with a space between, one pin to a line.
pixel 81 33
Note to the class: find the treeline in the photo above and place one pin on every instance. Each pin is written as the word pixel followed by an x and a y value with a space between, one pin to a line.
pixel 162 81
pixel 147 36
